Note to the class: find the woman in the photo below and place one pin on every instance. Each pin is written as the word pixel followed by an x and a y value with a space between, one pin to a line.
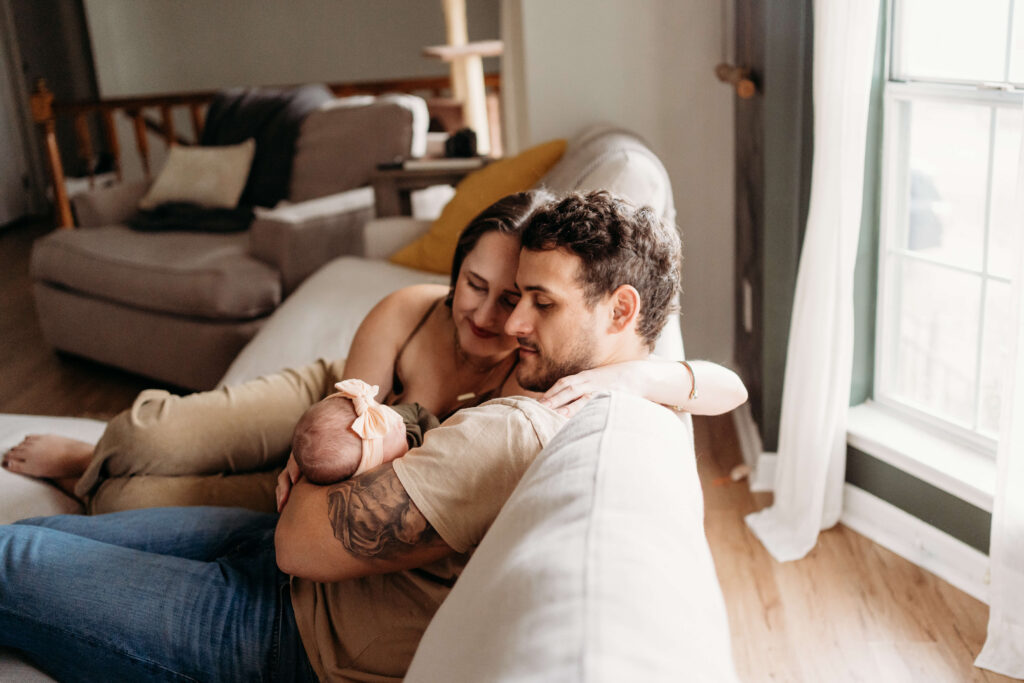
pixel 444 348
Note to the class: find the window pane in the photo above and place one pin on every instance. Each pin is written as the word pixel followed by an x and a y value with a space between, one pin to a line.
pixel 995 359
pixel 1004 221
pixel 948 162
pixel 1017 51
pixel 951 39
pixel 932 338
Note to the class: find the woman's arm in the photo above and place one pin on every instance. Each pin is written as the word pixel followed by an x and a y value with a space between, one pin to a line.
pixel 373 352
pixel 718 389
pixel 375 346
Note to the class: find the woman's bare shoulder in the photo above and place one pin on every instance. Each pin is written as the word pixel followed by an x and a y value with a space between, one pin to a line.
pixel 385 329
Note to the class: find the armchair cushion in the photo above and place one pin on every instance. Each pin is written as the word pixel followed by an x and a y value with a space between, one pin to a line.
pixel 342 142
pixel 296 239
pixel 203 275
pixel 108 205
pixel 274 119
pixel 475 193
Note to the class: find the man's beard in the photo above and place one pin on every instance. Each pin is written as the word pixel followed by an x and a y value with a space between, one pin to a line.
pixel 546 370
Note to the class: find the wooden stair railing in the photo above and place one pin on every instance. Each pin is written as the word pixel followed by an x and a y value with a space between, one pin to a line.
pixel 45 112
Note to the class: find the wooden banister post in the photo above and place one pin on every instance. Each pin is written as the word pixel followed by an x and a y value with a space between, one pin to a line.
pixel 41 102
pixel 197 122
pixel 141 141
pixel 110 131
pixel 84 139
pixel 168 123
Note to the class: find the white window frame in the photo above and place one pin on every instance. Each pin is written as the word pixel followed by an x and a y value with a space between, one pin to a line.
pixel 997 96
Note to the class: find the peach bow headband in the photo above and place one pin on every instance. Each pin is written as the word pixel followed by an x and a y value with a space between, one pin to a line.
pixel 372 421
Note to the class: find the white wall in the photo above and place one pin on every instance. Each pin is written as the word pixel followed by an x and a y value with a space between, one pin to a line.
pixel 158 46
pixel 646 65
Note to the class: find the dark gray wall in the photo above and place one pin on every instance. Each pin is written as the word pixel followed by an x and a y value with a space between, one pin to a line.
pixel 53 43
pixel 774 143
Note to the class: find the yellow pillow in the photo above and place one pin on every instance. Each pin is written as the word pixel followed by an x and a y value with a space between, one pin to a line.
pixel 478 190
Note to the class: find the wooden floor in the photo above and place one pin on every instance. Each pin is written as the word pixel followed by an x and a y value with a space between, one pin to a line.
pixel 849 611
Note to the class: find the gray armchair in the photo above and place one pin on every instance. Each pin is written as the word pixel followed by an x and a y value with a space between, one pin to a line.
pixel 178 306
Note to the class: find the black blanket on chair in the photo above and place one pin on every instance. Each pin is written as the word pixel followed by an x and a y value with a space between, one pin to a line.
pixel 273 118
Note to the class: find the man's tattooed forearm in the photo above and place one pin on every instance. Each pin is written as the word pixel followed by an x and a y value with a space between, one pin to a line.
pixel 373 516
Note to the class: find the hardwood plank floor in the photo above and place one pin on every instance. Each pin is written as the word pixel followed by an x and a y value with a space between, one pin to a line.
pixel 850 611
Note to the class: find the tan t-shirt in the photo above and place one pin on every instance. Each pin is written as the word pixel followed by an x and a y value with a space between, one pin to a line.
pixel 367 629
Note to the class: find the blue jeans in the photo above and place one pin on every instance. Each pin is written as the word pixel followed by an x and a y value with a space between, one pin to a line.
pixel 177 594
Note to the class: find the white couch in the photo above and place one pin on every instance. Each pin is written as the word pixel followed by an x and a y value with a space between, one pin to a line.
pixel 597 568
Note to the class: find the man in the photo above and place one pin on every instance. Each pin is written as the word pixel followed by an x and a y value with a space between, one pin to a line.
pixel 370 558
pixel 597 279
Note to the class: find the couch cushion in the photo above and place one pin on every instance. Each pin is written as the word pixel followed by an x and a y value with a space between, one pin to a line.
pixel 606 158
pixel 193 274
pixel 22 497
pixel 321 317
pixel 341 143
pixel 596 569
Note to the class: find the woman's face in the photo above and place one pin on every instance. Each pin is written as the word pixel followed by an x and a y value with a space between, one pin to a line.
pixel 485 294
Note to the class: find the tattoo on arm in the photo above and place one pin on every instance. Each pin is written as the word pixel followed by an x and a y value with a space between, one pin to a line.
pixel 373 516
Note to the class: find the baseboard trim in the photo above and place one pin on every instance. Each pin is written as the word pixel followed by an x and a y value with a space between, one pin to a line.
pixel 950 559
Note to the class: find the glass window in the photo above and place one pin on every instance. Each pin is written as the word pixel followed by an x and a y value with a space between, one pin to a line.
pixel 950 225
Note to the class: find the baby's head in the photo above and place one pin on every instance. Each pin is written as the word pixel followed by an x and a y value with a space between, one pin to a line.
pixel 328 450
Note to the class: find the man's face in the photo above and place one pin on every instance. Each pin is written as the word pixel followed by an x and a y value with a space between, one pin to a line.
pixel 558 333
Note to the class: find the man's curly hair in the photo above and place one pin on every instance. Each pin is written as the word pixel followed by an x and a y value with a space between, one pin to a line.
pixel 618 244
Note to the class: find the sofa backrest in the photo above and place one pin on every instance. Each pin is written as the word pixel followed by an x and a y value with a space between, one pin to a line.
pixel 603 157
pixel 342 142
pixel 594 570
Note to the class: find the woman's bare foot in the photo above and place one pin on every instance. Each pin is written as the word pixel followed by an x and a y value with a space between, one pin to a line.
pixel 49 456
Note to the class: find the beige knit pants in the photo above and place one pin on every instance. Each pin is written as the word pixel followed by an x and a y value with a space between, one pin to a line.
pixel 220 447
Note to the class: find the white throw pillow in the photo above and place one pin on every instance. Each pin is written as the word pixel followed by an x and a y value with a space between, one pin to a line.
pixel 212 177
pixel 596 569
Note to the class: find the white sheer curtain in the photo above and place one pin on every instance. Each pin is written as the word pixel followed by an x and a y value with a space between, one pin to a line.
pixel 1004 646
pixel 816 391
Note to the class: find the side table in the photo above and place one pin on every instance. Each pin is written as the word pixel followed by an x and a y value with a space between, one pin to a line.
pixel 393 185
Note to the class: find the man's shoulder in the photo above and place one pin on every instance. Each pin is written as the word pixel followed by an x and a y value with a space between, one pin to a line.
pixel 512 411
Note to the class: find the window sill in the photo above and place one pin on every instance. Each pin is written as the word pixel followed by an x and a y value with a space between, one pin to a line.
pixel 956 469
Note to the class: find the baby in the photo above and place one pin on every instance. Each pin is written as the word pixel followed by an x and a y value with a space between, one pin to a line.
pixel 348 433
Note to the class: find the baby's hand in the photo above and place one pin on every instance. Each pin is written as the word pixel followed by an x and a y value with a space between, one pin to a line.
pixel 289 475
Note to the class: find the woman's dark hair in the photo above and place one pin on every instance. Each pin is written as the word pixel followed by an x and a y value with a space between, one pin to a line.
pixel 508 216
